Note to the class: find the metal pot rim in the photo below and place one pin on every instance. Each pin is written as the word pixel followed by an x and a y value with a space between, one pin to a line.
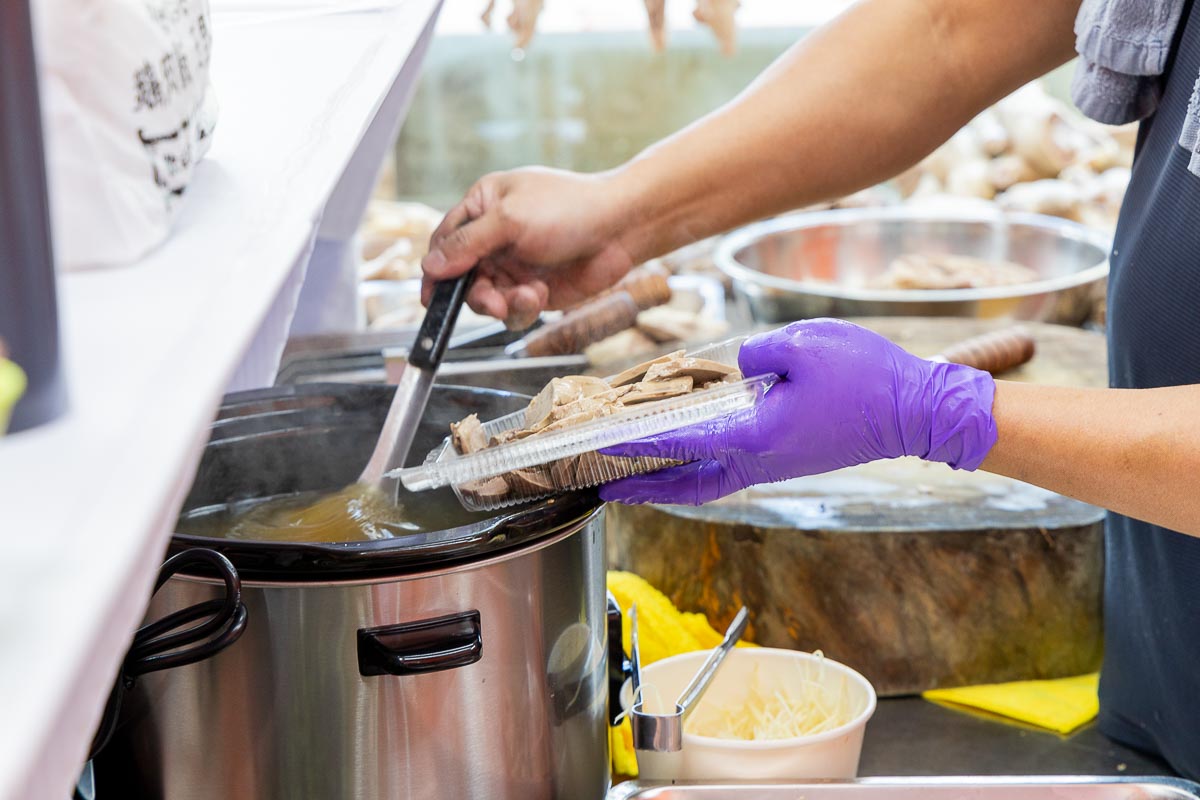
pixel 309 562
pixel 369 575
pixel 731 244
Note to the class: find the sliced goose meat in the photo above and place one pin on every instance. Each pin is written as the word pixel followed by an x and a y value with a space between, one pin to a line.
pixel 511 435
pixel 635 374
pixel 647 391
pixel 718 15
pixel 560 392
pixel 523 21
pixel 656 11
pixel 700 370
pixel 576 400
pixel 486 491
pixel 468 436
pixel 531 481
pixel 585 410
pixel 581 410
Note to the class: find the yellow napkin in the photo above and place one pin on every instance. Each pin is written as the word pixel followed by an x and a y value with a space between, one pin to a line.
pixel 1058 705
pixel 663 630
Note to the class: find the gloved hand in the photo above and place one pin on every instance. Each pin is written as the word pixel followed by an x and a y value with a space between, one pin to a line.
pixel 846 396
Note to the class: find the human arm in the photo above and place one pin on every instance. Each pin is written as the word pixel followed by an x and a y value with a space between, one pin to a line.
pixel 849 397
pixel 850 105
pixel 1133 451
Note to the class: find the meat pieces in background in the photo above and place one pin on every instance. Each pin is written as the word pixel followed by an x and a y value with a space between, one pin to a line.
pixel 656 14
pixel 718 15
pixel 522 21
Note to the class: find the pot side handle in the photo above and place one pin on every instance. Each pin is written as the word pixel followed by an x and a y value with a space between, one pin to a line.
pixel 428 645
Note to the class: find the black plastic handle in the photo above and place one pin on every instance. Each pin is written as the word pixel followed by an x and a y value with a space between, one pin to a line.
pixel 428 645
pixel 619 668
pixel 168 642
pixel 430 344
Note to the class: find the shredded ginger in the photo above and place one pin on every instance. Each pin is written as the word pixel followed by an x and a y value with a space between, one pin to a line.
pixel 778 706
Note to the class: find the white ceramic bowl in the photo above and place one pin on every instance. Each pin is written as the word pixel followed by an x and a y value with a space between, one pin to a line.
pixel 832 754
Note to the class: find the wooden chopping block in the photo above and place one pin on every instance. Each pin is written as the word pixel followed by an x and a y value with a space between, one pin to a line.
pixel 916 575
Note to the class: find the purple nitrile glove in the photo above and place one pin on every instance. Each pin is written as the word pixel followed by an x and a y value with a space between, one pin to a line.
pixel 846 396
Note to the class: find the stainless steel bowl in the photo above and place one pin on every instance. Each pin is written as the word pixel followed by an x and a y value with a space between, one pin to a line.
pixel 817 264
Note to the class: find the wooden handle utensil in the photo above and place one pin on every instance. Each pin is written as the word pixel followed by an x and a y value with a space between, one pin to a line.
pixel 587 324
pixel 599 317
pixel 993 352
pixel 647 285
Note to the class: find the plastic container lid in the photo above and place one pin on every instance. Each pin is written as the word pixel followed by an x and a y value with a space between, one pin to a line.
pixel 549 451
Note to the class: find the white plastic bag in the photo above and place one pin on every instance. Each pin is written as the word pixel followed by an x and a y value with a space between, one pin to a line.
pixel 128 113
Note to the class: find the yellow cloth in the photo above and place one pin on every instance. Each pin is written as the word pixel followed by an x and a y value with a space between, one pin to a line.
pixel 663 630
pixel 1058 705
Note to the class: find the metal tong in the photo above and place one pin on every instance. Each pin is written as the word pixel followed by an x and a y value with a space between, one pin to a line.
pixel 663 733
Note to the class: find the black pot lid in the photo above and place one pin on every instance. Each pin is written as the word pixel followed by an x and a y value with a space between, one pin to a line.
pixel 316 437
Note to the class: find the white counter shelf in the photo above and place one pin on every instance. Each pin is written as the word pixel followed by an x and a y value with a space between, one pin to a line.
pixel 311 97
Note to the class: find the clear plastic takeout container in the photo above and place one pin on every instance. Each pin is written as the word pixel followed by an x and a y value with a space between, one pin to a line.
pixel 552 463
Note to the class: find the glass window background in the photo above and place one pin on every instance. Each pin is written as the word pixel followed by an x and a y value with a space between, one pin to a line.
pixel 589 91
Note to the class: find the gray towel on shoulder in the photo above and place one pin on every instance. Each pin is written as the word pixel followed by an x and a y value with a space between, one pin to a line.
pixel 1190 138
pixel 1123 47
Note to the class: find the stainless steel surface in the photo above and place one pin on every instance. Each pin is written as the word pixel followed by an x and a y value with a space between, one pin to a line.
pixel 412 390
pixel 657 733
pixel 635 652
pixel 475 357
pixel 399 428
pixel 464 659
pixel 912 737
pixel 518 374
pixel 286 715
pixel 363 362
pixel 660 733
pixel 975 788
pixel 306 440
pixel 518 349
pixel 663 733
pixel 696 688
pixel 815 264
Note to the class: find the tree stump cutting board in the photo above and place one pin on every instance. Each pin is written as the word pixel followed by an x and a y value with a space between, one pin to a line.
pixel 917 575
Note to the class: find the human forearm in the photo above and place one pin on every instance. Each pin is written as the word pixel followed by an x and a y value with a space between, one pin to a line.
pixel 1136 452
pixel 850 105
pixel 846 396
pixel 847 107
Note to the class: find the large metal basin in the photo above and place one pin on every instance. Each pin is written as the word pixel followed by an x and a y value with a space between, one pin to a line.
pixel 1017 787
pixel 817 264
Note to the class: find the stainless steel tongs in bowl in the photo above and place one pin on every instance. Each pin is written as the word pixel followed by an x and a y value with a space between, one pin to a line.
pixel 663 733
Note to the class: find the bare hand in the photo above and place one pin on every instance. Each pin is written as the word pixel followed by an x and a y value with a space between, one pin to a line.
pixel 541 238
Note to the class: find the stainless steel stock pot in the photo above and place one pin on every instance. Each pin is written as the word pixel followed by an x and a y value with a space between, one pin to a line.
pixel 467 662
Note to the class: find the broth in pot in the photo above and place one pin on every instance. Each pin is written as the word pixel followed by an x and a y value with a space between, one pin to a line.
pixel 357 513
